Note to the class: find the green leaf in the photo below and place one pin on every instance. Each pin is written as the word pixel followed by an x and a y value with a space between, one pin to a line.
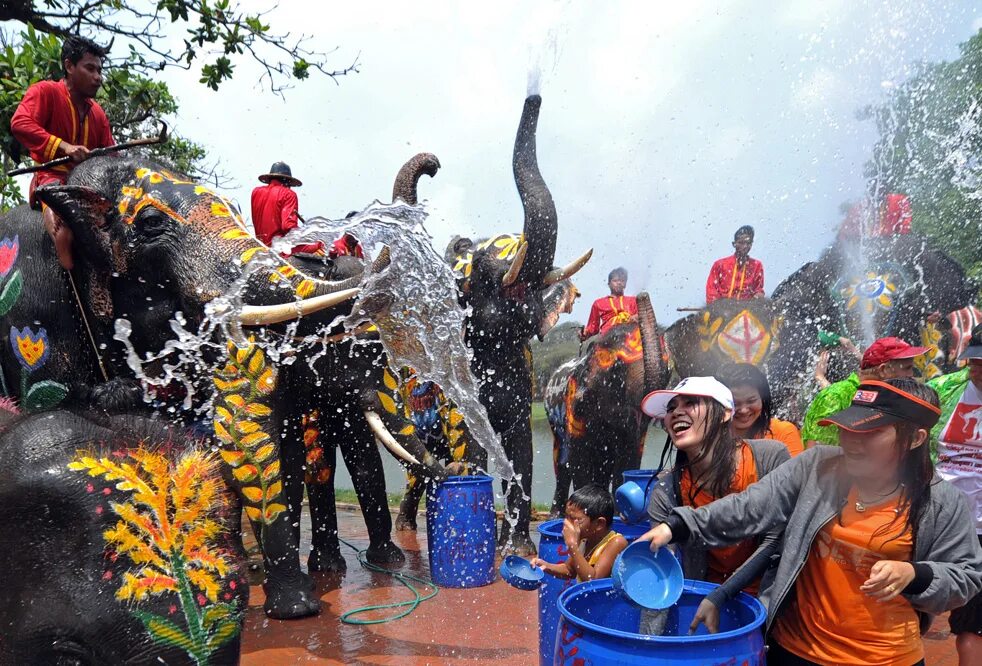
pixel 11 292
pixel 44 395
pixel 163 630
pixel 224 632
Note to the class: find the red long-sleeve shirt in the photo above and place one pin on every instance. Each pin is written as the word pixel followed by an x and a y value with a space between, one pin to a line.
pixel 608 311
pixel 727 280
pixel 274 211
pixel 46 117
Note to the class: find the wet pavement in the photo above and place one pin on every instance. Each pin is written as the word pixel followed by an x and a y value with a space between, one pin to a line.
pixel 493 624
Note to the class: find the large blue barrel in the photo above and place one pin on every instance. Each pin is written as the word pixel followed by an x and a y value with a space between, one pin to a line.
pixel 599 626
pixel 460 524
pixel 552 549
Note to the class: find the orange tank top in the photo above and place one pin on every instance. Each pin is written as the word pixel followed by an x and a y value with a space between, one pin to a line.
pixel 830 621
pixel 722 562
pixel 594 555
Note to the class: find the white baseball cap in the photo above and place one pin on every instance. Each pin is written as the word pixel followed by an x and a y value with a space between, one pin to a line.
pixel 655 404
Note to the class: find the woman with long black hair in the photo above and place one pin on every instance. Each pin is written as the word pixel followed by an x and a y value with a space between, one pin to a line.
pixel 753 410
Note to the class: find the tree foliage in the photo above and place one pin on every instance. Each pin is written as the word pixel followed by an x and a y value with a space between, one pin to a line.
pixel 929 147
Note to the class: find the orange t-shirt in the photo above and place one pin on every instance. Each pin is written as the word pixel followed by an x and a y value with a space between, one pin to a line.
pixel 830 621
pixel 786 433
pixel 722 562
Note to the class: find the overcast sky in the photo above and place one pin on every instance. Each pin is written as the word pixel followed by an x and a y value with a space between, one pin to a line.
pixel 664 125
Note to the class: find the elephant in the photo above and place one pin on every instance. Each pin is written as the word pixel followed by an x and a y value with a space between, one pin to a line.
pixel 157 252
pixel 593 404
pixel 507 281
pixel 947 337
pixel 337 407
pixel 126 549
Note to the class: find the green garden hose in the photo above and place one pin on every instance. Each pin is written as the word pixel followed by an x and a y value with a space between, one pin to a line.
pixel 404 579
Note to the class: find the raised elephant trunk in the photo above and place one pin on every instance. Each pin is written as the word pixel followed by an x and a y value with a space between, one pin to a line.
pixel 656 370
pixel 408 177
pixel 541 224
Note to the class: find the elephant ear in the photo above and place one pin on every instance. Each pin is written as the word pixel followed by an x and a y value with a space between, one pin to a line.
pixel 86 212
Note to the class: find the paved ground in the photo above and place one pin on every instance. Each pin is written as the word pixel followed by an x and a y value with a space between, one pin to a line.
pixel 496 624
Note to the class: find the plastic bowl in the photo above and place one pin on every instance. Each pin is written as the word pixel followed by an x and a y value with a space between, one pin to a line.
pixel 650 580
pixel 518 572
pixel 629 498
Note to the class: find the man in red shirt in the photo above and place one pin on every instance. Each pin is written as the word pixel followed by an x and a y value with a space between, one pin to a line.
pixel 739 276
pixel 274 208
pixel 611 310
pixel 61 118
pixel 347 245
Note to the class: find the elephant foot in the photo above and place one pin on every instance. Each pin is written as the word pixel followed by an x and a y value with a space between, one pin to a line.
pixel 385 553
pixel 288 602
pixel 406 522
pixel 326 561
pixel 516 543
pixel 308 581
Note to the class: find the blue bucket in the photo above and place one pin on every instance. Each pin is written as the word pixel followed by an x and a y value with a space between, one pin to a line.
pixel 519 572
pixel 601 627
pixel 553 549
pixel 651 580
pixel 460 531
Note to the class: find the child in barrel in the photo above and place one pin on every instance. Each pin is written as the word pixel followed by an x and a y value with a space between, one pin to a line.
pixel 587 533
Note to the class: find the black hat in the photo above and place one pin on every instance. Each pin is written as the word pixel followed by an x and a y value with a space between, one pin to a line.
pixel 280 171
pixel 878 404
pixel 974 349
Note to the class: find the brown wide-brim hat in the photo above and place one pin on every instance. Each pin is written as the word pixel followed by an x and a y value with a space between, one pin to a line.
pixel 280 171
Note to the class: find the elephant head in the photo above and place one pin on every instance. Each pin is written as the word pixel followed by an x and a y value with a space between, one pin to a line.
pixel 505 278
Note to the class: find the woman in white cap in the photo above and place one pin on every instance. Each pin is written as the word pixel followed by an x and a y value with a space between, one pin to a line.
pixel 711 462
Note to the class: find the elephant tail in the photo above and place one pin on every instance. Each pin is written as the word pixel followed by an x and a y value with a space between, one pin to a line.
pixel 656 369
pixel 408 177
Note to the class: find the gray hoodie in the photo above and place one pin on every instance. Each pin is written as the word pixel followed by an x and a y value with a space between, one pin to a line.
pixel 800 495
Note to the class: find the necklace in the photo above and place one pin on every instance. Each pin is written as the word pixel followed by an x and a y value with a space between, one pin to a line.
pixel 861 506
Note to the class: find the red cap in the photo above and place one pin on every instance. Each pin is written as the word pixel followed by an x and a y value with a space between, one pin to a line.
pixel 889 349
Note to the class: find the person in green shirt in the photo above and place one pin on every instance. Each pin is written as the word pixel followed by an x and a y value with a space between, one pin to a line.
pixel 887 358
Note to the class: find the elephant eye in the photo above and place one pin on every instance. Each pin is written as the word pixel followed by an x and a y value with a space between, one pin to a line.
pixel 152 223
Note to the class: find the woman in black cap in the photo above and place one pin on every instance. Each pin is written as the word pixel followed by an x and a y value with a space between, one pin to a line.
pixel 874 542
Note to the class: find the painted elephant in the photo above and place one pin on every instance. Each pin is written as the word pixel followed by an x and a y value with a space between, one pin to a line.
pixel 593 404
pixel 155 251
pixel 506 281
pixel 947 336
pixel 337 406
pixel 127 547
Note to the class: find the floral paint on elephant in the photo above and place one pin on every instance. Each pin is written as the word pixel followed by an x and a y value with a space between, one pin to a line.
pixel 962 322
pixel 874 292
pixel 506 244
pixel 244 384
pixel 628 351
pixel 742 339
pixel 318 471
pixel 30 349
pixel 167 529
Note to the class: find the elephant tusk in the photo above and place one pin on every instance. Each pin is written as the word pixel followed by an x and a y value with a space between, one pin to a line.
pixel 568 271
pixel 516 265
pixel 383 435
pixel 259 315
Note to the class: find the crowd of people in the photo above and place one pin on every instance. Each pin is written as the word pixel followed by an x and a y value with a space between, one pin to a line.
pixel 854 532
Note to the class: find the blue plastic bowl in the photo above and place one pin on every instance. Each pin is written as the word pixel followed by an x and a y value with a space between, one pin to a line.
pixel 651 580
pixel 629 498
pixel 518 572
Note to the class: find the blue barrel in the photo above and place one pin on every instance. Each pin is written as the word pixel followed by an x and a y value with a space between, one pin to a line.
pixel 553 549
pixel 599 626
pixel 460 531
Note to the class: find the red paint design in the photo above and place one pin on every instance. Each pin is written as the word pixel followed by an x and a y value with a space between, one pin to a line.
pixel 749 339
pixel 107 575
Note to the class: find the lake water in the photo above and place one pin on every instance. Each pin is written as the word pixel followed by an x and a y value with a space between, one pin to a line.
pixel 543 478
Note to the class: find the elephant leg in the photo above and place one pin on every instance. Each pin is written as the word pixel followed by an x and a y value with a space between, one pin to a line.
pixel 409 507
pixel 364 463
pixel 325 552
pixel 518 446
pixel 268 474
pixel 561 494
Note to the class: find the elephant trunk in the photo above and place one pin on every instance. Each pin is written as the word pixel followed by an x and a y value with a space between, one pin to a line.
pixel 656 370
pixel 408 177
pixel 541 224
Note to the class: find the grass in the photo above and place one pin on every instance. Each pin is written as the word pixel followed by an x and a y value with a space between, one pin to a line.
pixel 538 411
pixel 348 496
